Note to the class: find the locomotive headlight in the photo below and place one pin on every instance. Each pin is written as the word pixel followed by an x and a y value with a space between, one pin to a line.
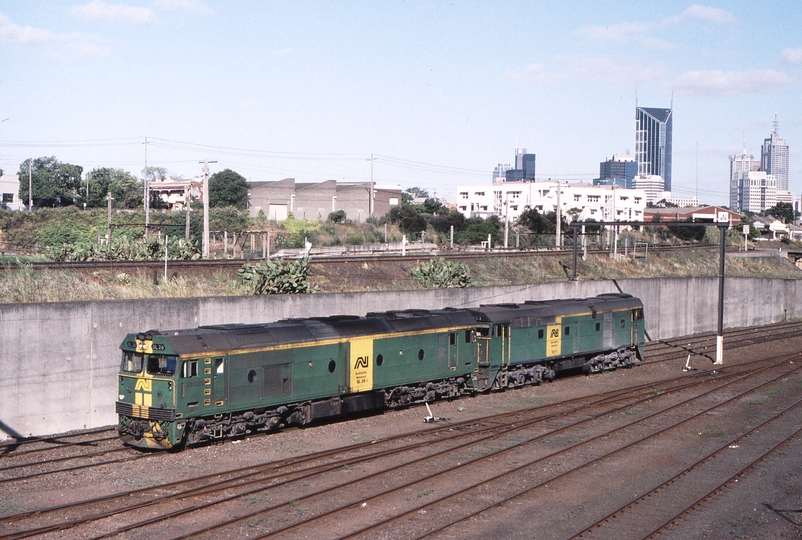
pixel 122 397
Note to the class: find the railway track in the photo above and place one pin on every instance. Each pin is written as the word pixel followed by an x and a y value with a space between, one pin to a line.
pixel 375 257
pixel 34 457
pixel 488 463
pixel 235 486
pixel 704 344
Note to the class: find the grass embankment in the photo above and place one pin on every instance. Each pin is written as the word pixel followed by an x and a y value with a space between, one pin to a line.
pixel 27 285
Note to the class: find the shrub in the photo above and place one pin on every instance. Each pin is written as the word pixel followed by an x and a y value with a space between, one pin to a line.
pixel 441 274
pixel 276 277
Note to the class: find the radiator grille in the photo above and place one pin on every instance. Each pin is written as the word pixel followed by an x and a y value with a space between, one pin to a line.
pixel 142 411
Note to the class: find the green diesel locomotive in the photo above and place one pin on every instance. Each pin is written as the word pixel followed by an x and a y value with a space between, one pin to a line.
pixel 187 386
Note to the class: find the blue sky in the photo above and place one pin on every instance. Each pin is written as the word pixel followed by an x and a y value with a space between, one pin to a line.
pixel 439 92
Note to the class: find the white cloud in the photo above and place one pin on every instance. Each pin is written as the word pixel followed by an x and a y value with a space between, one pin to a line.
pixel 286 51
pixel 192 7
pixel 643 33
pixel 791 56
pixel 61 46
pixel 98 11
pixel 731 83
pixel 702 13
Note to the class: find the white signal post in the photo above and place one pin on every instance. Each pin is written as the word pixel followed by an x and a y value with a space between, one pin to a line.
pixel 722 224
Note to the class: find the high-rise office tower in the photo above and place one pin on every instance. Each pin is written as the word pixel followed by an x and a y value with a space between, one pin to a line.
pixel 653 129
pixel 740 169
pixel 500 172
pixel 620 170
pixel 524 167
pixel 774 157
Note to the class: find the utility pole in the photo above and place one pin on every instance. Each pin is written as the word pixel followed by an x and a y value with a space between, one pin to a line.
pixel 30 186
pixel 370 202
pixel 187 208
pixel 109 198
pixel 206 206
pixel 615 227
pixel 722 230
pixel 558 241
pixel 147 190
pixel 506 219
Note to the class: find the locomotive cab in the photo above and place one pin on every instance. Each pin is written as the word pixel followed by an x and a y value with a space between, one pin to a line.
pixel 146 394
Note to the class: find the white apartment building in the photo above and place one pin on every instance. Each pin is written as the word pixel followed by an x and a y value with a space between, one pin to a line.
pixel 578 202
pixel 682 202
pixel 652 185
pixel 9 193
pixel 754 191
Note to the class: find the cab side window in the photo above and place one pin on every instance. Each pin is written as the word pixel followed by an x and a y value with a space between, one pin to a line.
pixel 189 369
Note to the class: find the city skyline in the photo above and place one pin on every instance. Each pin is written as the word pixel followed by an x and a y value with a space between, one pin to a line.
pixel 416 93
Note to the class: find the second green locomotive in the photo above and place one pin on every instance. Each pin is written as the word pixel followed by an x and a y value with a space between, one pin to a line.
pixel 187 386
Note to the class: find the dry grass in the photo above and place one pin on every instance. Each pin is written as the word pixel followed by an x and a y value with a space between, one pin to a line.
pixel 26 285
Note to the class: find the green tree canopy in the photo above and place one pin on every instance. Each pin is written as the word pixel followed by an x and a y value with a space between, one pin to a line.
pixel 442 223
pixel 783 211
pixel 54 183
pixel 431 206
pixel 477 230
pixel 337 217
pixel 228 188
pixel 407 219
pixel 124 187
pixel 539 223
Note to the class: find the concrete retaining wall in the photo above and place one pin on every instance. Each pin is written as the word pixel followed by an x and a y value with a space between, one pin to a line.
pixel 58 360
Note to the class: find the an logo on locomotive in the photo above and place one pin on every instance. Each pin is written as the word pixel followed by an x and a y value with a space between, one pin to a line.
pixel 361 362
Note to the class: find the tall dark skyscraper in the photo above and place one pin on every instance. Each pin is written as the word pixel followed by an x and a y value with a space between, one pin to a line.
pixel 774 157
pixel 620 170
pixel 653 129
pixel 524 167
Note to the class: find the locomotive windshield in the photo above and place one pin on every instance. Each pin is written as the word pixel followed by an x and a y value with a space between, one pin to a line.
pixel 156 364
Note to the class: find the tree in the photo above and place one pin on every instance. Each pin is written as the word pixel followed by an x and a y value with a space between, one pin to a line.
pixel 54 183
pixel 442 223
pixel 687 234
pixel 539 223
pixel 152 173
pixel 431 206
pixel 418 192
pixel 228 188
pixel 124 187
pixel 337 217
pixel 477 230
pixel 407 219
pixel 783 211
